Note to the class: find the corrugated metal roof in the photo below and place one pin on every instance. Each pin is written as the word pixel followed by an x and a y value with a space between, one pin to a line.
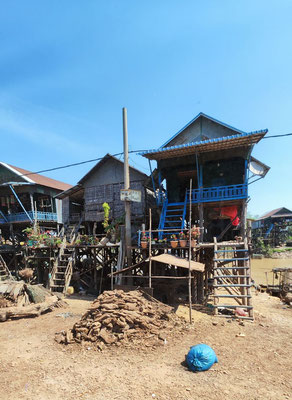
pixel 275 211
pixel 37 178
pixel 221 143
pixel 179 262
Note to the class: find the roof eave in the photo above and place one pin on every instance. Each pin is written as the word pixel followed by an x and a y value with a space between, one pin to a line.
pixel 244 139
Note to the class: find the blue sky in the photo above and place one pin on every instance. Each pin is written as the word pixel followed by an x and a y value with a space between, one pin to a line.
pixel 68 67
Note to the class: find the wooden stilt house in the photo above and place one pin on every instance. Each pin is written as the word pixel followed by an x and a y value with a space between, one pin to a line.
pixel 216 158
pixel 26 197
pixel 83 203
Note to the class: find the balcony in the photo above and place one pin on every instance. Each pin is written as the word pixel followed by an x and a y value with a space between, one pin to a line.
pixel 22 217
pixel 218 193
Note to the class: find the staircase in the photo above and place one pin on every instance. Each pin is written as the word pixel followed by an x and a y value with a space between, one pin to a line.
pixel 269 230
pixel 62 270
pixel 232 280
pixel 70 230
pixel 4 271
pixel 172 217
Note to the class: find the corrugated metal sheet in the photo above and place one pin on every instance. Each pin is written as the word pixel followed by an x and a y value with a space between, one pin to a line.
pixel 38 179
pixel 222 143
pixel 179 262
pixel 273 213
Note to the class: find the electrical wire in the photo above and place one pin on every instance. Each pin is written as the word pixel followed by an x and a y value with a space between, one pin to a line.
pixel 115 155
pixel 275 136
pixel 75 164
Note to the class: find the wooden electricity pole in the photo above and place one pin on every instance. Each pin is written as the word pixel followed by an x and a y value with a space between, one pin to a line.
pixel 190 252
pixel 126 187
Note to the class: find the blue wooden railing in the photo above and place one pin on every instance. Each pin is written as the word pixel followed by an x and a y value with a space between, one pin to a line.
pixel 161 196
pixel 22 217
pixel 218 193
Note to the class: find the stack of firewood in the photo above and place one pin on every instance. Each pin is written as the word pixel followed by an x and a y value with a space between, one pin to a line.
pixel 19 299
pixel 118 317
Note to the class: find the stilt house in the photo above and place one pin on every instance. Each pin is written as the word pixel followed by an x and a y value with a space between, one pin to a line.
pixel 217 158
pixel 272 227
pixel 103 183
pixel 25 197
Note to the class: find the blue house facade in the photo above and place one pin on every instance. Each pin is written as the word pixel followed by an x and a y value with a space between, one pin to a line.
pixel 216 158
pixel 26 197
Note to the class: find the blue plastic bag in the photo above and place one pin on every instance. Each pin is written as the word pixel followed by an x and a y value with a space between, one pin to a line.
pixel 201 358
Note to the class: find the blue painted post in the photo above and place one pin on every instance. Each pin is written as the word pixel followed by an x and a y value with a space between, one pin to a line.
pixel 5 219
pixel 153 183
pixel 160 192
pixel 139 238
pixel 22 206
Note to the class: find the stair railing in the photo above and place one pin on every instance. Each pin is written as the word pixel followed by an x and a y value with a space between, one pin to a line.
pixel 162 218
pixel 75 230
pixel 68 273
pixel 5 268
pixel 57 260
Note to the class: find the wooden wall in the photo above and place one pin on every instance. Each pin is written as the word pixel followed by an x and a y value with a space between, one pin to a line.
pixel 95 196
pixel 201 129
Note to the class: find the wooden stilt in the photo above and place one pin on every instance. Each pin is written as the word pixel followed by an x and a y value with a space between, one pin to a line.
pixel 215 266
pixel 201 217
pixel 150 252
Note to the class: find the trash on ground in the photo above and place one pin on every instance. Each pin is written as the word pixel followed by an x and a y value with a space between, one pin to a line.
pixel 201 358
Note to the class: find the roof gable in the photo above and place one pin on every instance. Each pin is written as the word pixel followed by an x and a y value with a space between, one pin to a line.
pixel 104 163
pixel 26 176
pixel 202 127
pixel 277 212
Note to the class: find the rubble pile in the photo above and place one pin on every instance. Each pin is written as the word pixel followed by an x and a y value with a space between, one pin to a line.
pixel 118 317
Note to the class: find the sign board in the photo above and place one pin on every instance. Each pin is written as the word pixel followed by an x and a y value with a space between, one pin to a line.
pixel 131 195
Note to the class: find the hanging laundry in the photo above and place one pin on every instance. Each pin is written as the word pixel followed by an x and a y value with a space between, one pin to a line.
pixel 232 213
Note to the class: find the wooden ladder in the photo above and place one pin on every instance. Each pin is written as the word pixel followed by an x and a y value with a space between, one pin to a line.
pixel 62 270
pixel 232 275
pixel 4 271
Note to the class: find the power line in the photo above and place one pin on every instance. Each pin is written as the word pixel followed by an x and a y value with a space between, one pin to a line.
pixel 115 155
pixel 275 136
pixel 78 163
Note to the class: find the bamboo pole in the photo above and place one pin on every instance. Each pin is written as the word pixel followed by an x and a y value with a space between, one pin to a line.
pixel 159 277
pixel 112 277
pixel 214 267
pixel 150 255
pixel 190 253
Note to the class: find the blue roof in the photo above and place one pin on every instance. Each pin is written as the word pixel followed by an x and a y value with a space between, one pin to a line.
pixel 254 136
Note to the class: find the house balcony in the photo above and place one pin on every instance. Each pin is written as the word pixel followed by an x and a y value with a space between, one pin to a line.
pixel 218 193
pixel 23 217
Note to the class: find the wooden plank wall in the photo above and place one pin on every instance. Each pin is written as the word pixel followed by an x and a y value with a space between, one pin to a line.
pixel 95 196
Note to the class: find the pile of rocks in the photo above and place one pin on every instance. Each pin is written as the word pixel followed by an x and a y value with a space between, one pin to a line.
pixel 118 317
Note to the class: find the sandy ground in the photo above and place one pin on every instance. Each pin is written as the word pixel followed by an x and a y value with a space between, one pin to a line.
pixel 255 366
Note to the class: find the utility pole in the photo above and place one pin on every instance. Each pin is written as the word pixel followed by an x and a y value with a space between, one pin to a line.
pixel 126 187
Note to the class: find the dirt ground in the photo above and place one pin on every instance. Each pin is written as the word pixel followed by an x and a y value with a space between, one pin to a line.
pixel 255 366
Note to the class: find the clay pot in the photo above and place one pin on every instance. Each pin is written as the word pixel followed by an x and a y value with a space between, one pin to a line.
pixel 144 244
pixel 173 243
pixel 182 243
pixel 193 243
